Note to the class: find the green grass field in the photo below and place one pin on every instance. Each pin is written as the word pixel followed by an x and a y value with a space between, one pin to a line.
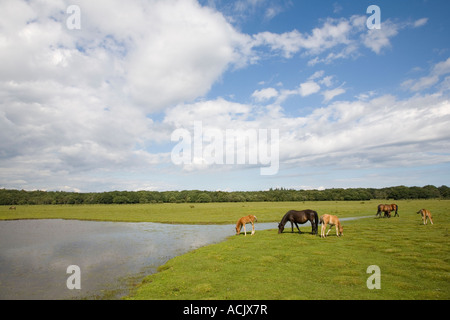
pixel 413 258
pixel 200 213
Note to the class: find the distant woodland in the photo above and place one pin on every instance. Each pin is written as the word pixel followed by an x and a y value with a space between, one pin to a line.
pixel 22 197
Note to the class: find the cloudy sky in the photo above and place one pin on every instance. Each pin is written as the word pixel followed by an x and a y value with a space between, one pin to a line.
pixel 92 96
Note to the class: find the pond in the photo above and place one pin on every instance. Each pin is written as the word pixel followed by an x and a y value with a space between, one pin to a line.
pixel 35 254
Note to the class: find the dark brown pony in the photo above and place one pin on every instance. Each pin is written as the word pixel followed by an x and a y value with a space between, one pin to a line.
pixel 387 208
pixel 300 217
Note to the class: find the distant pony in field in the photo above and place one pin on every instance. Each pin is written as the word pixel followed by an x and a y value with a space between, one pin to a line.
pixel 12 208
pixel 387 208
pixel 300 217
pixel 426 214
pixel 243 221
pixel 328 219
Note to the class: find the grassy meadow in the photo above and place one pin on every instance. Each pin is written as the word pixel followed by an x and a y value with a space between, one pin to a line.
pixel 201 213
pixel 414 259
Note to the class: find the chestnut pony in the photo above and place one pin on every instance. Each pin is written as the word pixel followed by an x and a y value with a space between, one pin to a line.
pixel 387 208
pixel 328 219
pixel 426 214
pixel 243 221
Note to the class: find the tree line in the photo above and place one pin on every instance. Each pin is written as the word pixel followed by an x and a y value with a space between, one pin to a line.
pixel 22 197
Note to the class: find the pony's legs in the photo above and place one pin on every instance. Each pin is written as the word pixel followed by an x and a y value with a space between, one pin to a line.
pixel 297 228
pixel 331 226
pixel 253 228
pixel 322 230
pixel 245 231
pixel 430 219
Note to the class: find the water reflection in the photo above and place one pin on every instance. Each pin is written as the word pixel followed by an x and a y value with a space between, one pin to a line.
pixel 35 254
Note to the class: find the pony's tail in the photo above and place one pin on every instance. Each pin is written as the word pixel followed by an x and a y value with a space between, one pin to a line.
pixel 316 218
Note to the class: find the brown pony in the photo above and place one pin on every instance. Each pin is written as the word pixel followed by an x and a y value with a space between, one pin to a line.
pixel 332 221
pixel 426 214
pixel 387 208
pixel 244 220
pixel 12 208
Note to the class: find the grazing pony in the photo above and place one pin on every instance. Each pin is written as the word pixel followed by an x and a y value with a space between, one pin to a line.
pixel 12 208
pixel 426 214
pixel 328 219
pixel 244 220
pixel 300 217
pixel 387 208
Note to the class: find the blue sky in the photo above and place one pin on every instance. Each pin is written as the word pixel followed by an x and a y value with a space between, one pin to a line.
pixel 93 99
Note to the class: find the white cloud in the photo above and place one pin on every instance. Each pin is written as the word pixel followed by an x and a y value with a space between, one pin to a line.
pixel 332 33
pixel 381 132
pixel 337 38
pixel 330 94
pixel 368 134
pixel 164 56
pixel 77 100
pixel 327 81
pixel 438 70
pixel 180 59
pixel 265 94
pixel 317 74
pixel 218 113
pixel 308 88
pixel 77 105
pixel 377 39
pixel 441 68
pixel 420 22
pixel 365 95
pixel 242 10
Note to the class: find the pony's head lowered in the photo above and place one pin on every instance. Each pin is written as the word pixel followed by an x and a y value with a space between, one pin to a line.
pixel 280 227
pixel 341 230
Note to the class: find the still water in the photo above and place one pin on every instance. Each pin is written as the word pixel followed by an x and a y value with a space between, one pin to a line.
pixel 35 254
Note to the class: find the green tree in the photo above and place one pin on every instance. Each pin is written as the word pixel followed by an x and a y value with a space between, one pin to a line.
pixel 120 199
pixel 204 197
